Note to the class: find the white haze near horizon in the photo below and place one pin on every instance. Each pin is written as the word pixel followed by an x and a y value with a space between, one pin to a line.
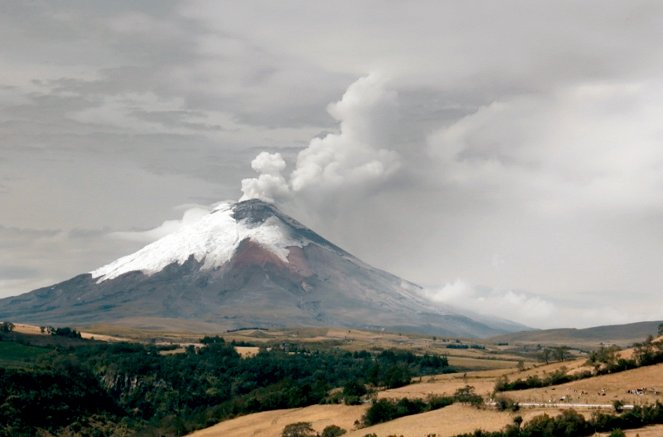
pixel 506 156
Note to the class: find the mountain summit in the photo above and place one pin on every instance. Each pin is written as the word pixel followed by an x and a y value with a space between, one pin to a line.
pixel 245 264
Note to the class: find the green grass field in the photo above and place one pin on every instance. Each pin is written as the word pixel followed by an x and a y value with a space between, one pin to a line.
pixel 18 355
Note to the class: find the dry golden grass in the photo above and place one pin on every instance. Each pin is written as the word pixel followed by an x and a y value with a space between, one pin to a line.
pixel 271 423
pixel 28 329
pixel 354 340
pixel 482 381
pixel 424 389
pixel 36 330
pixel 102 337
pixel 590 390
pixel 247 351
pixel 348 339
pixel 542 369
pixel 457 418
pixel 478 363
pixel 449 421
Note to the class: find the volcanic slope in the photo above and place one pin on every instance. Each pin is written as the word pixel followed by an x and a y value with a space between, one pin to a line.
pixel 244 265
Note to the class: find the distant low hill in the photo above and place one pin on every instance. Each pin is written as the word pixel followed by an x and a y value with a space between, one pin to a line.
pixel 609 334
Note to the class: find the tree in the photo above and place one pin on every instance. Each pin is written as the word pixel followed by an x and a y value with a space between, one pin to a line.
pixel 660 329
pixel 299 429
pixel 6 327
pixel 618 405
pixel 352 392
pixel 65 331
pixel 333 431
pixel 606 356
pixel 397 376
pixel 468 395
pixel 644 352
pixel 207 340
pixel 561 353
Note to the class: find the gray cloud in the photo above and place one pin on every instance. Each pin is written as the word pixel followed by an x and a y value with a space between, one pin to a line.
pixel 33 258
pixel 517 143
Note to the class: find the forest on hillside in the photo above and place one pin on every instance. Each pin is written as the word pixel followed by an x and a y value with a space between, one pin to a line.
pixel 92 388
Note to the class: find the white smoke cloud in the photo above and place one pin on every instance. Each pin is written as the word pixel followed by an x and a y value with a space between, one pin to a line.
pixel 191 215
pixel 355 158
pixel 270 185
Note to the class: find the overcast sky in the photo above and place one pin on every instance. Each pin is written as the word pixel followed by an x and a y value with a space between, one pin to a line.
pixel 508 156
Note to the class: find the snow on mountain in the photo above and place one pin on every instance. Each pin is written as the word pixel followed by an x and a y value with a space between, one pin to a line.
pixel 211 240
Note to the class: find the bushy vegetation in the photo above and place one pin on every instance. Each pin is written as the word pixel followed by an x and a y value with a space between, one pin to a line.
pixel 6 327
pixel 465 346
pixel 573 424
pixel 299 429
pixel 63 332
pixel 557 377
pixel 384 410
pixel 333 431
pixel 605 360
pixel 13 354
pixel 503 403
pixel 50 399
pixel 103 387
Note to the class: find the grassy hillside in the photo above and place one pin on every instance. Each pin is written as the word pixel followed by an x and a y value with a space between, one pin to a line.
pixel 166 387
pixel 590 401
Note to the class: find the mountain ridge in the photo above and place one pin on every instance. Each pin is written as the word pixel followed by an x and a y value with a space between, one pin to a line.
pixel 247 264
pixel 621 334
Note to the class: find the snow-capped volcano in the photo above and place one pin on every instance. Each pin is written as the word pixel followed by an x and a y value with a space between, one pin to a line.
pixel 244 264
pixel 211 241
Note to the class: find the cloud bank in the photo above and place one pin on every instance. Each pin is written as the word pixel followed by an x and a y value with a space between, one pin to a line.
pixel 536 311
pixel 516 150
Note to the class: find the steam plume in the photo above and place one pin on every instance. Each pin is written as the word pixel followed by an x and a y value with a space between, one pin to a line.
pixel 354 158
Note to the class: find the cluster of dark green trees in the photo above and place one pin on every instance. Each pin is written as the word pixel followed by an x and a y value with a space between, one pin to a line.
pixel 104 387
pixel 304 429
pixel 572 424
pixel 6 327
pixel 384 410
pixel 64 331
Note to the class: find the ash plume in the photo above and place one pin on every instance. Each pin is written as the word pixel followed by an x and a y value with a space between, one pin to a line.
pixel 356 157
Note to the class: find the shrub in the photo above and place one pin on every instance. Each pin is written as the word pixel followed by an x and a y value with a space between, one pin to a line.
pixel 299 429
pixel 65 331
pixel 384 410
pixel 352 392
pixel 502 403
pixel 333 431
pixel 467 395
